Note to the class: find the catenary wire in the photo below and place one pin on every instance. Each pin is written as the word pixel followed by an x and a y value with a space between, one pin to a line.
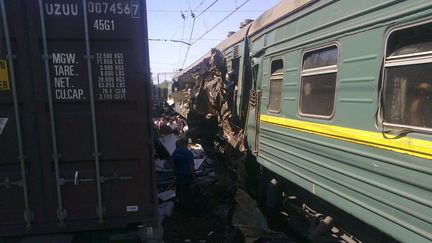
pixel 192 29
pixel 218 23
pixel 210 11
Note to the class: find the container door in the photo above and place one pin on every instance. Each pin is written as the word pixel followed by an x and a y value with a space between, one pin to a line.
pixel 76 129
pixel 95 126
pixel 20 179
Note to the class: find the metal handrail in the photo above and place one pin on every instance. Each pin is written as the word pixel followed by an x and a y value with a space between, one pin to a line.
pixel 61 212
pixel 96 153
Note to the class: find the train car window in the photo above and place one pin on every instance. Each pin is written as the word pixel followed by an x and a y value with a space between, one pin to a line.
pixel 407 93
pixel 321 58
pixel 318 82
pixel 276 77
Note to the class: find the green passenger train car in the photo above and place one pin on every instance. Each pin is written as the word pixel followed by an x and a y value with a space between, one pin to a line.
pixel 345 108
pixel 336 97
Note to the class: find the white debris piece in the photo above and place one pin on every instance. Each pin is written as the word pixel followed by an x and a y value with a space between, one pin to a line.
pixel 169 142
pixel 2 123
pixel 167 195
pixel 198 163
pixel 197 150
pixel 160 166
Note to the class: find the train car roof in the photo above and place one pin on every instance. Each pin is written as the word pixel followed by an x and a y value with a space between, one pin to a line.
pixel 269 17
pixel 228 42
pixel 276 13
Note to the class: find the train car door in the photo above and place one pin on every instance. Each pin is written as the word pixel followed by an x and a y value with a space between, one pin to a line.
pixel 254 112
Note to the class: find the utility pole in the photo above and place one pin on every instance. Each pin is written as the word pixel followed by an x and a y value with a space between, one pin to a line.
pixel 158 75
pixel 158 86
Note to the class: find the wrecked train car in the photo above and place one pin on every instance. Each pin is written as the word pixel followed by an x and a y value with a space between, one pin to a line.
pixel 334 104
pixel 208 89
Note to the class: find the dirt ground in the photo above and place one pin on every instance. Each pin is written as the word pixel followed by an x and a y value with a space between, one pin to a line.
pixel 201 227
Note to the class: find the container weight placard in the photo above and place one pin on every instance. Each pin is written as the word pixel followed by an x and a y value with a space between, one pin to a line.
pixel 4 76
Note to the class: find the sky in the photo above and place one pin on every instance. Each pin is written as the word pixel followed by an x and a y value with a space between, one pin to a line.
pixel 168 29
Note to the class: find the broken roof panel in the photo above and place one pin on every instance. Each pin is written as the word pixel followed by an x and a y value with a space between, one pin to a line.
pixel 278 12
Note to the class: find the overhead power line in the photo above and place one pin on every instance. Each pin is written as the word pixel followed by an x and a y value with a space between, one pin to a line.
pixel 204 39
pixel 190 38
pixel 205 10
pixel 218 23
pixel 199 5
pixel 192 29
pixel 200 11
pixel 182 35
pixel 180 41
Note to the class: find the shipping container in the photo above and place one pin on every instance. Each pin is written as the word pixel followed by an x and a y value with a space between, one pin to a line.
pixel 75 123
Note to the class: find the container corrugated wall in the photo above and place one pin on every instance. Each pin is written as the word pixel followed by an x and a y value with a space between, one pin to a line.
pixel 75 125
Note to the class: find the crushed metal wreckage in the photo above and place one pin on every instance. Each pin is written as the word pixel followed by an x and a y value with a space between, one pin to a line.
pixel 219 148
pixel 203 95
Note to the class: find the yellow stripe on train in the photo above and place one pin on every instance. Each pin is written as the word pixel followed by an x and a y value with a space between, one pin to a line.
pixel 410 146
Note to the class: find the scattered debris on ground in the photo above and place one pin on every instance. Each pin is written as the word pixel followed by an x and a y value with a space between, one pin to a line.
pixel 220 212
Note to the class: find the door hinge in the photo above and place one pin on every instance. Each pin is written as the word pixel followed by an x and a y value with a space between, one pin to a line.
pixel 8 183
pixel 61 215
pixel 28 217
